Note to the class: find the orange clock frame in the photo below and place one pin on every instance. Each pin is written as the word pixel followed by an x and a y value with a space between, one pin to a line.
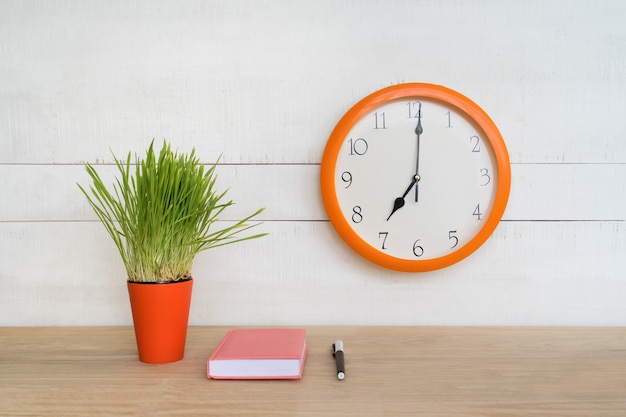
pixel 449 98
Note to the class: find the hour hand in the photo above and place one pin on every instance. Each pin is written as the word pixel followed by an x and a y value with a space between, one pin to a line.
pixel 399 202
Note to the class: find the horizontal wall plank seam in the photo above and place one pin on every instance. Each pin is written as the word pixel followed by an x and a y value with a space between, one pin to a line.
pixel 225 164
pixel 326 221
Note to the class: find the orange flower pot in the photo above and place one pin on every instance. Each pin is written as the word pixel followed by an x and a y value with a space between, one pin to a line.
pixel 160 314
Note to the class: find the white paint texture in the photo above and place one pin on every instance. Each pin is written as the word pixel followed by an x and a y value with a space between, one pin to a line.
pixel 264 83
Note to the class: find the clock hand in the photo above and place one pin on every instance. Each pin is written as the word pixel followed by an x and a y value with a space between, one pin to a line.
pixel 418 132
pixel 399 202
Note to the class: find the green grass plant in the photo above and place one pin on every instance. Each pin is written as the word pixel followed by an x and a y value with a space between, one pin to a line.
pixel 161 217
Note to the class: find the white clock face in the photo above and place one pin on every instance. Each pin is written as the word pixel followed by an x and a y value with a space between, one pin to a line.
pixel 377 167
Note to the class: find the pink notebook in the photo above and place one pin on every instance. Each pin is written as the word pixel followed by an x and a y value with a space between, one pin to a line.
pixel 273 353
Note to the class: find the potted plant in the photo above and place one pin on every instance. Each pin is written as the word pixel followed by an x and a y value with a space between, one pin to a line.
pixel 160 218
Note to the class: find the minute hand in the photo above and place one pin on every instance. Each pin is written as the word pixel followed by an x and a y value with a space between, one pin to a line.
pixel 418 132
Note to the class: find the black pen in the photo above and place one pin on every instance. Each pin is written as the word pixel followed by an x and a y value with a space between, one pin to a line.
pixel 338 355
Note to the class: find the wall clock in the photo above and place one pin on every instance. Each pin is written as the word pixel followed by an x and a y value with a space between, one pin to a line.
pixel 415 177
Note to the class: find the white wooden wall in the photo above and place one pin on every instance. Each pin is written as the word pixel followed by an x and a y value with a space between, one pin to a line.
pixel 263 82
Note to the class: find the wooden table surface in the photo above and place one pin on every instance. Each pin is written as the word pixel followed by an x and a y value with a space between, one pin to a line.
pixel 390 371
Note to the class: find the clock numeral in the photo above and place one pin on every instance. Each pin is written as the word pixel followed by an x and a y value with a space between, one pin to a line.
pixel 477 212
pixel 357 217
pixel 414 107
pixel 346 177
pixel 484 174
pixel 475 141
pixel 380 120
pixel 358 146
pixel 452 237
pixel 449 117
pixel 383 235
pixel 417 249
